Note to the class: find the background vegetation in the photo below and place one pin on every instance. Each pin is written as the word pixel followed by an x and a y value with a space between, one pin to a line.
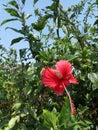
pixel 25 104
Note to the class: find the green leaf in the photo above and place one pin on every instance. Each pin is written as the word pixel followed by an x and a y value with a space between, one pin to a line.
pixel 16 30
pixel 23 1
pixel 13 121
pixel 8 20
pixel 23 126
pixel 65 113
pixel 16 40
pixel 96 1
pixel 40 24
pixel 94 94
pixel 50 119
pixel 53 6
pixel 22 52
pixel 28 16
pixel 41 127
pixel 35 1
pixel 12 12
pixel 13 3
pixel 96 22
pixel 93 77
pixel 64 28
pixel 43 55
pixel 17 105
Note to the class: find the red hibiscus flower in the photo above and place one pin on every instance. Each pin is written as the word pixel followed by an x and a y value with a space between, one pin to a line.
pixel 59 78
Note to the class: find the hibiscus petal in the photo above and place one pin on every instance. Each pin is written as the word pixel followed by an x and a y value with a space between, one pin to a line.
pixel 59 90
pixel 72 79
pixel 66 82
pixel 50 78
pixel 64 67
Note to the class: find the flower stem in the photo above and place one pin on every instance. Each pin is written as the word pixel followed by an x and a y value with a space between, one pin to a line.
pixel 73 109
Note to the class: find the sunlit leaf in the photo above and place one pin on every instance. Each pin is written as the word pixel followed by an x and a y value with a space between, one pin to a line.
pixel 65 113
pixel 13 121
pixel 17 105
pixel 50 118
pixel 93 77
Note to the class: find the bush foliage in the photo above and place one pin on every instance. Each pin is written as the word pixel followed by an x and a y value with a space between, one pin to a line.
pixel 25 104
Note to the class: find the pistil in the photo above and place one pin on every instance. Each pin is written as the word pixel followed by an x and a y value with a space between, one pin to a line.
pixel 73 109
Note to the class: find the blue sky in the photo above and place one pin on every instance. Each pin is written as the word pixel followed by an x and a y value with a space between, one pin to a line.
pixel 7 35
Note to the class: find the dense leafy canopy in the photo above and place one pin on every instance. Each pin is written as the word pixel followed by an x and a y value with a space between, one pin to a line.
pixel 25 104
